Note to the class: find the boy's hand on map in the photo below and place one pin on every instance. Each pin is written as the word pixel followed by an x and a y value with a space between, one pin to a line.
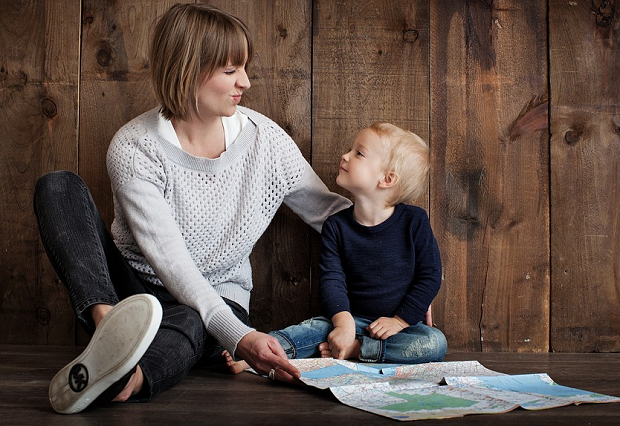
pixel 385 327
pixel 341 340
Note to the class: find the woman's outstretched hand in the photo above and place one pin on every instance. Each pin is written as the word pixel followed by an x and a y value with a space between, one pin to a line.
pixel 264 353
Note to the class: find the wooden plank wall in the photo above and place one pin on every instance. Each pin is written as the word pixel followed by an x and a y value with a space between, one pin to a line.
pixel 489 187
pixel 585 173
pixel 518 99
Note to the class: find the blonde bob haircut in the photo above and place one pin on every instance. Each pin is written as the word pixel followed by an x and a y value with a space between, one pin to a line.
pixel 190 42
pixel 409 160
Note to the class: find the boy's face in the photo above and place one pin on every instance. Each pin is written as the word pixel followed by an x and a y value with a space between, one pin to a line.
pixel 363 167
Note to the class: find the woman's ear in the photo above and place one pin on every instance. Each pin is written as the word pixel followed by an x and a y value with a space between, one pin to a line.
pixel 389 180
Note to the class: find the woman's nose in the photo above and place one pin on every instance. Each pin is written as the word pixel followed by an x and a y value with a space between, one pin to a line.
pixel 243 81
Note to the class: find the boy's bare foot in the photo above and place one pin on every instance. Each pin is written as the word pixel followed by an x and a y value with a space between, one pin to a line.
pixel 235 367
pixel 325 351
pixel 352 352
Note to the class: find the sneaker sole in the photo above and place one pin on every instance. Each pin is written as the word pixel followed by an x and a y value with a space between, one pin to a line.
pixel 120 340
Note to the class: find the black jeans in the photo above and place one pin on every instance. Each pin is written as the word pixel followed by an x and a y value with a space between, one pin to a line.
pixel 92 268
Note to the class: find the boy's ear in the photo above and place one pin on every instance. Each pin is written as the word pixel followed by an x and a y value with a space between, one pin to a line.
pixel 389 180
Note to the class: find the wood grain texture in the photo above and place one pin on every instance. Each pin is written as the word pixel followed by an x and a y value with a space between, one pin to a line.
pixel 39 74
pixel 585 153
pixel 489 190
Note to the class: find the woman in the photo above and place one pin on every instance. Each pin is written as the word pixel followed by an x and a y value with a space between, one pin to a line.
pixel 196 182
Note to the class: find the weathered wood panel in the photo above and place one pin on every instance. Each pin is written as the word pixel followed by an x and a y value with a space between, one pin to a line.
pixel 115 82
pixel 280 73
pixel 370 63
pixel 489 191
pixel 39 72
pixel 585 164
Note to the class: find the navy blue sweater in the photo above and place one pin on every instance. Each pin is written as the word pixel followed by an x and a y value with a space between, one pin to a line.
pixel 393 268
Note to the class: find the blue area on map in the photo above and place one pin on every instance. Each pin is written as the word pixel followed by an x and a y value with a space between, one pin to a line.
pixel 531 384
pixel 383 369
pixel 336 370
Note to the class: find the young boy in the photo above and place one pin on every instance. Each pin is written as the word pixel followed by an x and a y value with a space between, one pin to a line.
pixel 380 265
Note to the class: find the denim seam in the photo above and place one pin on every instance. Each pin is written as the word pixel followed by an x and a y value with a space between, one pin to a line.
pixel 294 354
pixel 102 257
pixel 380 355
pixel 49 247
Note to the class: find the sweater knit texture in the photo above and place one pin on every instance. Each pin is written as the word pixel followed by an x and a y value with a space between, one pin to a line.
pixel 190 223
pixel 385 270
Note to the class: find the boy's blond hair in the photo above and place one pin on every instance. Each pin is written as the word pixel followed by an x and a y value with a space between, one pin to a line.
pixel 189 43
pixel 409 159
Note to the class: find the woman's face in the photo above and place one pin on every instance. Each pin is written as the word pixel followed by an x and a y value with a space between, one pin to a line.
pixel 219 95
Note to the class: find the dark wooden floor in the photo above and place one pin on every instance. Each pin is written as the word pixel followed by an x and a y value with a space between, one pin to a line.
pixel 215 397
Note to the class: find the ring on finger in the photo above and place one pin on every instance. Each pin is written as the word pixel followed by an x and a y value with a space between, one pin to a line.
pixel 272 373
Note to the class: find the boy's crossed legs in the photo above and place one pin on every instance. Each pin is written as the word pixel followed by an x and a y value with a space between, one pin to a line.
pixel 415 344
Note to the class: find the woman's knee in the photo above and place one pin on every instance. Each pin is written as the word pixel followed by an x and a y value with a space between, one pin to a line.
pixel 55 184
pixel 57 181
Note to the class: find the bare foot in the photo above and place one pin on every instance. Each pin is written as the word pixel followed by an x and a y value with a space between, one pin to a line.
pixel 235 367
pixel 99 311
pixel 133 386
pixel 325 351
pixel 351 353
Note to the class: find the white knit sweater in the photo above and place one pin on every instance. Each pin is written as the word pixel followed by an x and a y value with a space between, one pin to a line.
pixel 190 223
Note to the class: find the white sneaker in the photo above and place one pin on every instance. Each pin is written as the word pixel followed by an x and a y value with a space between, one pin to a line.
pixel 119 342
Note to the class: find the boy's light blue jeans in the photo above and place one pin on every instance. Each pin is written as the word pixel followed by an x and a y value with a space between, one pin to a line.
pixel 415 344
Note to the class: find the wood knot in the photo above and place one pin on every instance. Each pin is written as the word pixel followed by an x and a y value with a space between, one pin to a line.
pixel 44 316
pixel 604 12
pixel 282 31
pixel 571 137
pixel 49 108
pixel 410 35
pixel 104 54
pixel 87 19
pixel 294 281
pixel 23 78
